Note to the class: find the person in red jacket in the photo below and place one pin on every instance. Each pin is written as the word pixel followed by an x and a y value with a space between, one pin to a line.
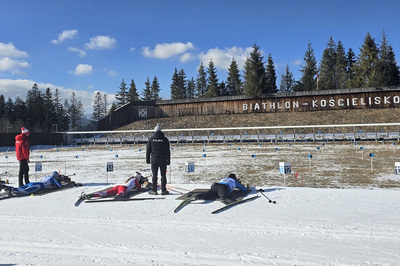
pixel 22 151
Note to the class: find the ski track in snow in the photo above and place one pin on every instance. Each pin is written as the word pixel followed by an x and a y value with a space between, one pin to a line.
pixel 307 226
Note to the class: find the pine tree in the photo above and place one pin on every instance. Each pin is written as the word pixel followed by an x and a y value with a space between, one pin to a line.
pixel 287 81
pixel 75 111
pixel 327 69
pixel 393 71
pixel 50 115
pixel 254 74
pixel 112 109
pixel 350 61
pixel 340 68
pixel 133 95
pixel 234 83
pixel 178 85
pixel 222 89
pixel 105 105
pixel 9 109
pixel 2 106
pixel 146 93
pixel 270 74
pixel 309 70
pixel 212 80
pixel 388 71
pixel 20 110
pixel 65 123
pixel 59 112
pixel 97 106
pixel 175 90
pixel 34 104
pixel 122 94
pixel 201 81
pixel 366 66
pixel 191 88
pixel 155 89
pixel 182 84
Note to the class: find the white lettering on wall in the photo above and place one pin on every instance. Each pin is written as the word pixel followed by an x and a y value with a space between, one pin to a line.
pixel 271 106
pixel 340 103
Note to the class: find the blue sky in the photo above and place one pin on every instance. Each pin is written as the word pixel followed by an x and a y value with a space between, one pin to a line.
pixel 87 46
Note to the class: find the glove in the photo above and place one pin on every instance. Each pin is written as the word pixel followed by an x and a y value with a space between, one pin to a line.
pixel 148 162
pixel 168 162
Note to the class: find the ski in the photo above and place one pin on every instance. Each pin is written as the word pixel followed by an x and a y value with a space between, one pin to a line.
pixel 120 199
pixel 81 198
pixel 170 189
pixel 180 188
pixel 265 196
pixel 181 205
pixel 234 203
pixel 7 196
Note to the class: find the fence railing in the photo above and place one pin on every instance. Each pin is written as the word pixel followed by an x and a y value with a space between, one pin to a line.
pixel 339 132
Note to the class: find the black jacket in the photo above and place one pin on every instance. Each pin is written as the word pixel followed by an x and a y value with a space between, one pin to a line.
pixel 158 149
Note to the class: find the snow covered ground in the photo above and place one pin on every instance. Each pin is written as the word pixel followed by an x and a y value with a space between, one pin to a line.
pixel 307 226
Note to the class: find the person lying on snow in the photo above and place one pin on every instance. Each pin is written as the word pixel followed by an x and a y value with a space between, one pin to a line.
pixel 222 190
pixel 120 191
pixel 53 180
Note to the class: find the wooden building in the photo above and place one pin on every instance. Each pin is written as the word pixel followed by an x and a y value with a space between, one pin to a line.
pixel 305 101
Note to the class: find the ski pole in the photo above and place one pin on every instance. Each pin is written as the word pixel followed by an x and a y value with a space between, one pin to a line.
pixel 172 186
pixel 269 200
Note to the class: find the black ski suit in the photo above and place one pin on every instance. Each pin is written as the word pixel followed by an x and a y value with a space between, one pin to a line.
pixel 159 155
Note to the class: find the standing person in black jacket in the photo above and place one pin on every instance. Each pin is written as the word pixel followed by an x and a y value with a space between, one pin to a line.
pixel 159 155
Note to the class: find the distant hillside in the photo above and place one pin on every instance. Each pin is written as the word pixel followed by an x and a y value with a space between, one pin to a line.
pixel 365 116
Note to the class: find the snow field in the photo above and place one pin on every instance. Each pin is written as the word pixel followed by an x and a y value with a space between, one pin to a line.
pixel 307 226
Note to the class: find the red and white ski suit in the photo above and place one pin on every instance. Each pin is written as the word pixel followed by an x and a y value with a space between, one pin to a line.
pixel 121 190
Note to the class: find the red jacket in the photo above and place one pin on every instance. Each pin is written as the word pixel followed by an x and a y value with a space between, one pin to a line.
pixel 22 147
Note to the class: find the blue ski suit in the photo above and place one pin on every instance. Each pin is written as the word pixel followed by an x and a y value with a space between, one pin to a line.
pixel 32 187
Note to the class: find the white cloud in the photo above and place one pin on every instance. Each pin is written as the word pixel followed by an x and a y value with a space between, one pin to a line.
pixel 167 50
pixel 222 58
pixel 132 49
pixel 112 73
pixel 100 43
pixel 8 49
pixel 13 88
pixel 83 70
pixel 296 62
pixel 81 52
pixel 7 52
pixel 66 34
pixel 7 64
pixel 187 57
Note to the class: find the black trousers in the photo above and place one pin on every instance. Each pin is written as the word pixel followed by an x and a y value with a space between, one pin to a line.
pixel 163 170
pixel 217 191
pixel 23 172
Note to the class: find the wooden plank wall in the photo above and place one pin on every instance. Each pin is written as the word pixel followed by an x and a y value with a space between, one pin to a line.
pixel 359 100
pixel 272 103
